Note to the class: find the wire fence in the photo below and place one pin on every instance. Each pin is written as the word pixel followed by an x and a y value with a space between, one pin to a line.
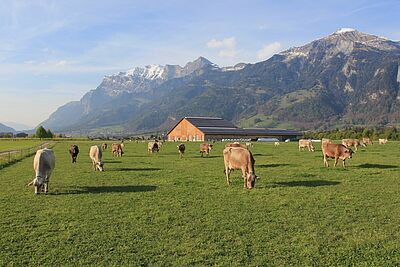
pixel 9 157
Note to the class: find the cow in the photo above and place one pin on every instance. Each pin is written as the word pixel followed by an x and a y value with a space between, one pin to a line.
pixel 104 146
pixel 352 142
pixel 205 148
pixel 153 147
pixel 336 151
pixel 95 155
pixel 276 143
pixel 326 140
pixel 122 144
pixel 74 151
pixel 304 143
pixel 181 148
pixel 239 158
pixel 116 150
pixel 43 164
pixel 367 141
pixel 382 141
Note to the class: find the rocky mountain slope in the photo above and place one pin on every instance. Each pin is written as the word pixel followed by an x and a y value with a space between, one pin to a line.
pixel 345 78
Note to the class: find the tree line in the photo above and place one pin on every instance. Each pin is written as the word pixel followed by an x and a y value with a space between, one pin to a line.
pixel 389 132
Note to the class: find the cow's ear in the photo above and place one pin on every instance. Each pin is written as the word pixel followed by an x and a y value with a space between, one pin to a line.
pixel 258 177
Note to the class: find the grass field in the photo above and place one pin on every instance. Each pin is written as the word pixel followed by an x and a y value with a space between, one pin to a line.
pixel 160 210
pixel 17 144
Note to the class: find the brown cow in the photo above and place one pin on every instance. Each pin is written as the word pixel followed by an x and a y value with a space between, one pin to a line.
pixel 336 151
pixel 117 150
pixel 352 142
pixel 181 149
pixel 104 146
pixel 73 151
pixel 205 148
pixel 238 158
pixel 367 141
pixel 304 143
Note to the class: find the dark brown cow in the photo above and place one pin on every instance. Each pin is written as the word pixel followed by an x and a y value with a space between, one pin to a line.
pixel 205 148
pixel 181 149
pixel 239 158
pixel 153 146
pixel 336 151
pixel 73 151
pixel 117 150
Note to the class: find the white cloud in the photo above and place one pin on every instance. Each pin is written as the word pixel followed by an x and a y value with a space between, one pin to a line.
pixel 268 50
pixel 226 47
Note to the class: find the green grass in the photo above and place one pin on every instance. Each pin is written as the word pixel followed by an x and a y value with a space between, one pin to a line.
pixel 160 210
pixel 17 144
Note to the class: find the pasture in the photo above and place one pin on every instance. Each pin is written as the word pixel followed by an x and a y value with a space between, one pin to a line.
pixel 161 210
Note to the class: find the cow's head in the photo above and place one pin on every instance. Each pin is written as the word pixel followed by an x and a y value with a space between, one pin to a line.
pixel 37 182
pixel 251 180
pixel 100 166
pixel 348 153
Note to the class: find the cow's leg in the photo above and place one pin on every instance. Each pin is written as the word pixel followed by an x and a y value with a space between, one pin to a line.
pixel 355 146
pixel 94 166
pixel 336 160
pixel 227 173
pixel 326 164
pixel 344 163
pixel 36 189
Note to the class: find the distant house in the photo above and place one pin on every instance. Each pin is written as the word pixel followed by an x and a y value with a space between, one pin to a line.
pixel 211 128
pixel 21 135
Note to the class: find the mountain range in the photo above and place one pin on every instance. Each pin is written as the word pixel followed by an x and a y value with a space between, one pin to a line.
pixel 346 78
pixel 5 129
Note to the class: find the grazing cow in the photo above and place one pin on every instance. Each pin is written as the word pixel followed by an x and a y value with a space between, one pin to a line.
pixel 352 142
pixel 153 147
pixel 95 155
pixel 382 141
pixel 304 143
pixel 239 158
pixel 104 146
pixel 336 151
pixel 181 149
pixel 74 151
pixel 205 148
pixel 116 150
pixel 43 164
pixel 276 143
pixel 367 141
pixel 326 140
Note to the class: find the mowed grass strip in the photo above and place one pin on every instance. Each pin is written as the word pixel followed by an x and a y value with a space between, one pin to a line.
pixel 155 209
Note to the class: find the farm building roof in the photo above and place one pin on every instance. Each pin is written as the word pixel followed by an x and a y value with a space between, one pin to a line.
pixel 210 122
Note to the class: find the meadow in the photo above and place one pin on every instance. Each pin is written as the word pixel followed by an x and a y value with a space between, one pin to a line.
pixel 159 210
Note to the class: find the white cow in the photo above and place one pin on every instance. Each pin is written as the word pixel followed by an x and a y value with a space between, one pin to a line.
pixel 43 164
pixel 382 141
pixel 95 155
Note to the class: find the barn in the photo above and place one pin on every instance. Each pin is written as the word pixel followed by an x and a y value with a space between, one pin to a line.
pixel 211 128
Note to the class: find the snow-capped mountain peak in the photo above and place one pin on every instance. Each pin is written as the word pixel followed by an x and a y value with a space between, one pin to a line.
pixel 344 30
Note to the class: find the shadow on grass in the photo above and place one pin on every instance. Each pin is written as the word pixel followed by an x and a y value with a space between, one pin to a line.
pixel 314 183
pixel 272 165
pixel 377 166
pixel 136 169
pixel 109 189
pixel 114 161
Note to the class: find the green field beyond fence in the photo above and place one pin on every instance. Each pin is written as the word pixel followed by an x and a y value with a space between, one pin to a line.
pixel 15 150
pixel 158 210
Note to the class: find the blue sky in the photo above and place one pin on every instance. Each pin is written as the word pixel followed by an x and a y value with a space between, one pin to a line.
pixel 54 51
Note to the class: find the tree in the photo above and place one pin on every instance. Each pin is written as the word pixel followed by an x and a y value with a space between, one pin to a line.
pixel 49 134
pixel 41 132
